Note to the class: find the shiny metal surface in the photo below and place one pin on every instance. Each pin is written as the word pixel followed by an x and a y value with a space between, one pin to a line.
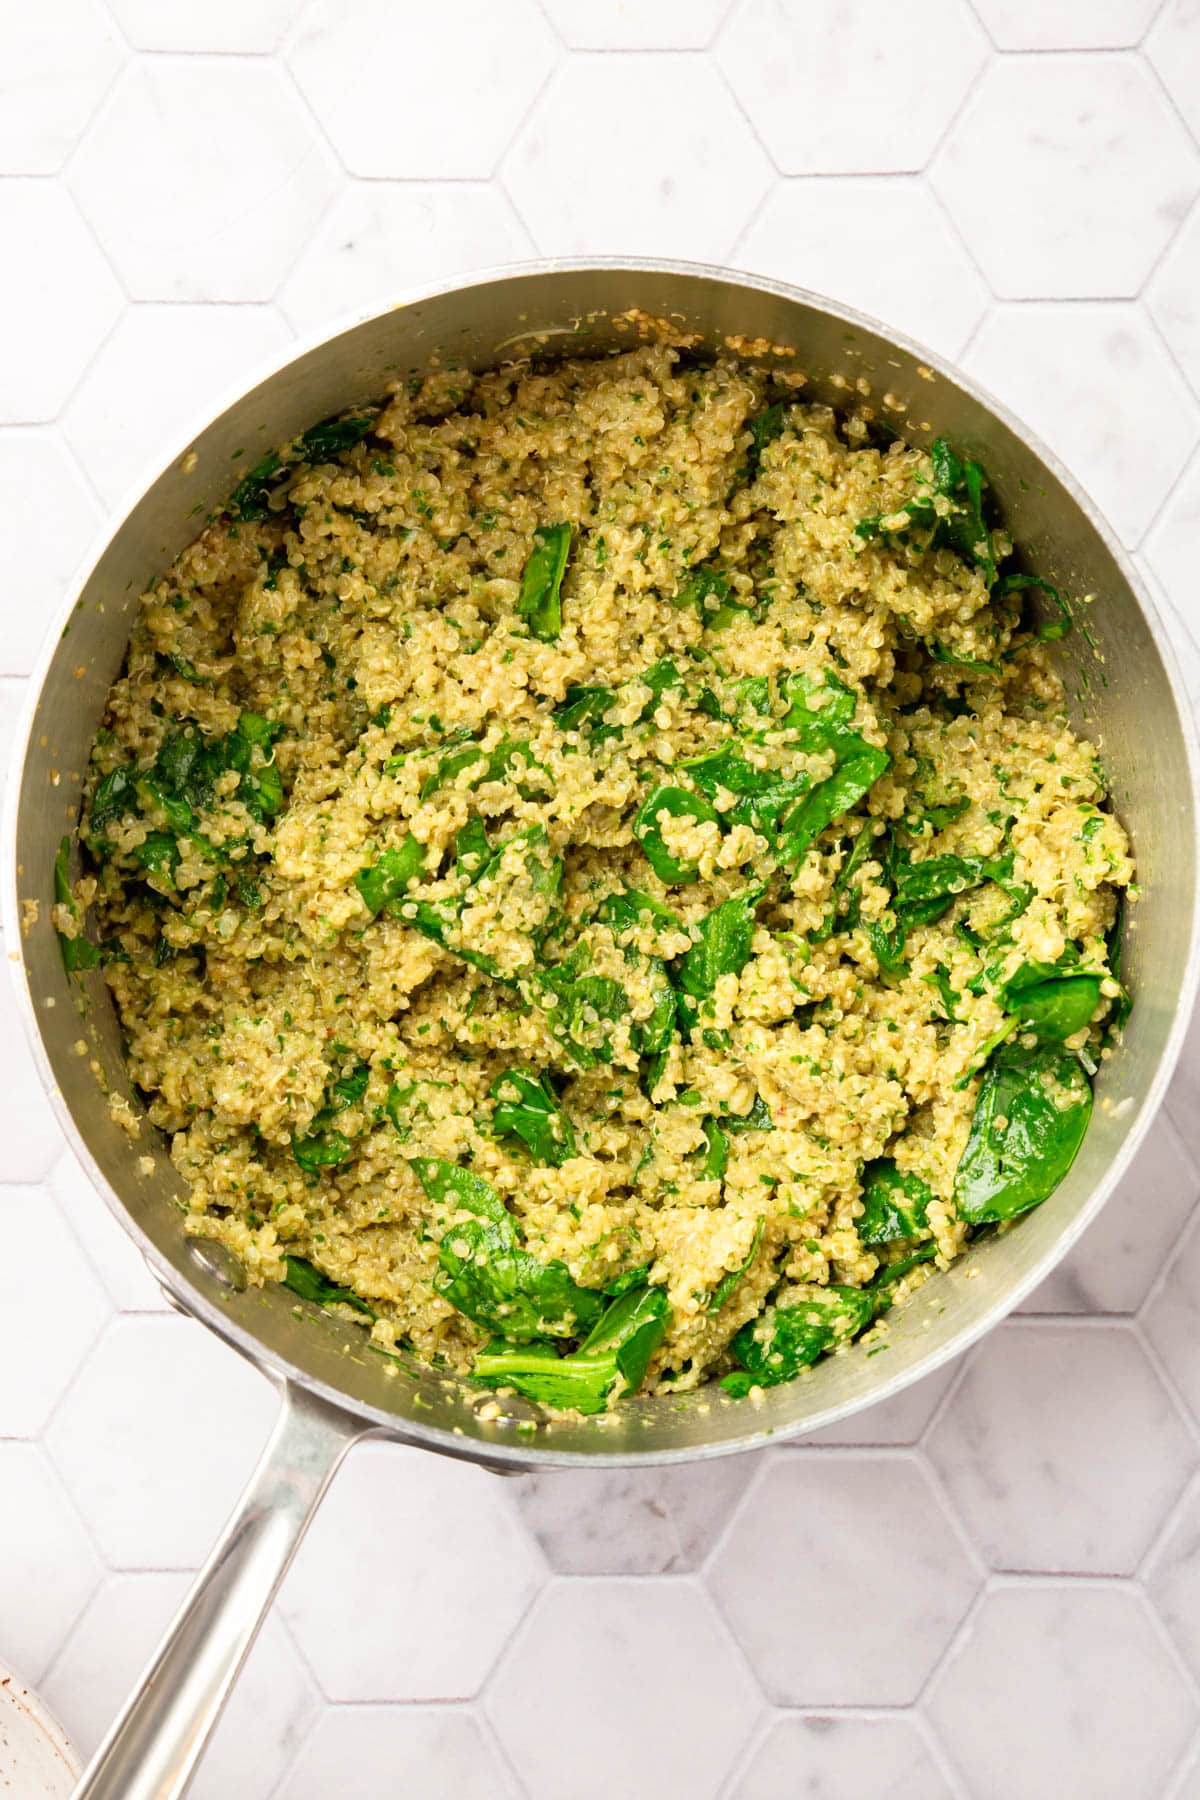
pixel 151 1750
pixel 1123 694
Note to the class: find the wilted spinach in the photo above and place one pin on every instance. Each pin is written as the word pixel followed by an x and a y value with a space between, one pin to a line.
pixel 485 1271
pixel 618 1349
pixel 1055 1010
pixel 711 593
pixel 925 890
pixel 763 795
pixel 464 752
pixel 895 1204
pixel 583 708
pixel 385 882
pixel 677 803
pixel 729 1281
pixel 323 1146
pixel 960 526
pixel 721 947
pixel 622 913
pixel 324 441
pixel 1047 631
pixel 788 1338
pixel 524 856
pixel 765 427
pixel 310 1284
pixel 181 784
pixel 540 600
pixel 251 499
pixel 582 1009
pixel 850 782
pixel 1029 1121
pixel 78 953
pixel 526 1108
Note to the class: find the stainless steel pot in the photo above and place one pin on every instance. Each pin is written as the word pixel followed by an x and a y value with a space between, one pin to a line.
pixel 333 1389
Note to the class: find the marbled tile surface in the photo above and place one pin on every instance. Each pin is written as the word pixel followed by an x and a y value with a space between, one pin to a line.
pixel 990 1587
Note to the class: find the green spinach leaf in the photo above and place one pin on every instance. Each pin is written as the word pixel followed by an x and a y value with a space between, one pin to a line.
pixel 324 441
pixel 887 947
pixel 310 1284
pixel 632 1278
pixel 677 803
pixel 1047 631
pixel 960 526
pixel 320 1148
pixel 540 600
pixel 818 713
pixel 584 707
pixel 716 1150
pixel 895 1205
pixel 624 913
pixel 396 1105
pixel 386 880
pixel 440 922
pixel 113 799
pixel 722 947
pixel 628 908
pixel 461 752
pixel 764 795
pixel 1115 946
pixel 484 1270
pixel 251 498
pixel 851 781
pixel 729 1281
pixel 925 890
pixel 881 1289
pixel 765 427
pixel 711 593
pixel 942 653
pixel 78 953
pixel 472 849
pixel 527 1109
pixel 757 1119
pixel 489 765
pixel 158 854
pixel 613 1358
pixel 323 1146
pixel 1029 1121
pixel 583 1010
pixel 787 1338
pixel 523 860
pixel 181 783
pixel 1056 1009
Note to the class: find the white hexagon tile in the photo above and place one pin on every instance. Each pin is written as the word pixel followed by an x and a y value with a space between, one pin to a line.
pixel 233 140
pixel 832 95
pixel 678 119
pixel 875 1595
pixel 988 1586
pixel 462 85
pixel 1052 1682
pixel 1067 205
pixel 175 359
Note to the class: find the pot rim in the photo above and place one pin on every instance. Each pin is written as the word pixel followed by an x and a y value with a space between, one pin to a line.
pixel 190 1299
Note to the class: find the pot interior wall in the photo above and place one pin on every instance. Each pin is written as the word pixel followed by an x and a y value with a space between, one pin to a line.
pixel 1121 696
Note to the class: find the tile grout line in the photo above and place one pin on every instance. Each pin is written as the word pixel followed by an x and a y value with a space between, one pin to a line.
pixel 918 1452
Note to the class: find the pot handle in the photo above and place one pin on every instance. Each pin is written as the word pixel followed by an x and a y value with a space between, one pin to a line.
pixel 152 1749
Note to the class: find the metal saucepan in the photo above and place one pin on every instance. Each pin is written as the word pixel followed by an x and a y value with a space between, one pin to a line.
pixel 333 1389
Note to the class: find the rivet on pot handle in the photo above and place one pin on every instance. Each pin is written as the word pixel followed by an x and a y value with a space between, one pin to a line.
pixel 151 1751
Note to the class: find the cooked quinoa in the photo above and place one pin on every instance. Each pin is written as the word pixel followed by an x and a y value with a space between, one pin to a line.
pixel 596 878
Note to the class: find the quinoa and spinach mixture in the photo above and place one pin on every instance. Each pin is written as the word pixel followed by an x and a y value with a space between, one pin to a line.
pixel 595 876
